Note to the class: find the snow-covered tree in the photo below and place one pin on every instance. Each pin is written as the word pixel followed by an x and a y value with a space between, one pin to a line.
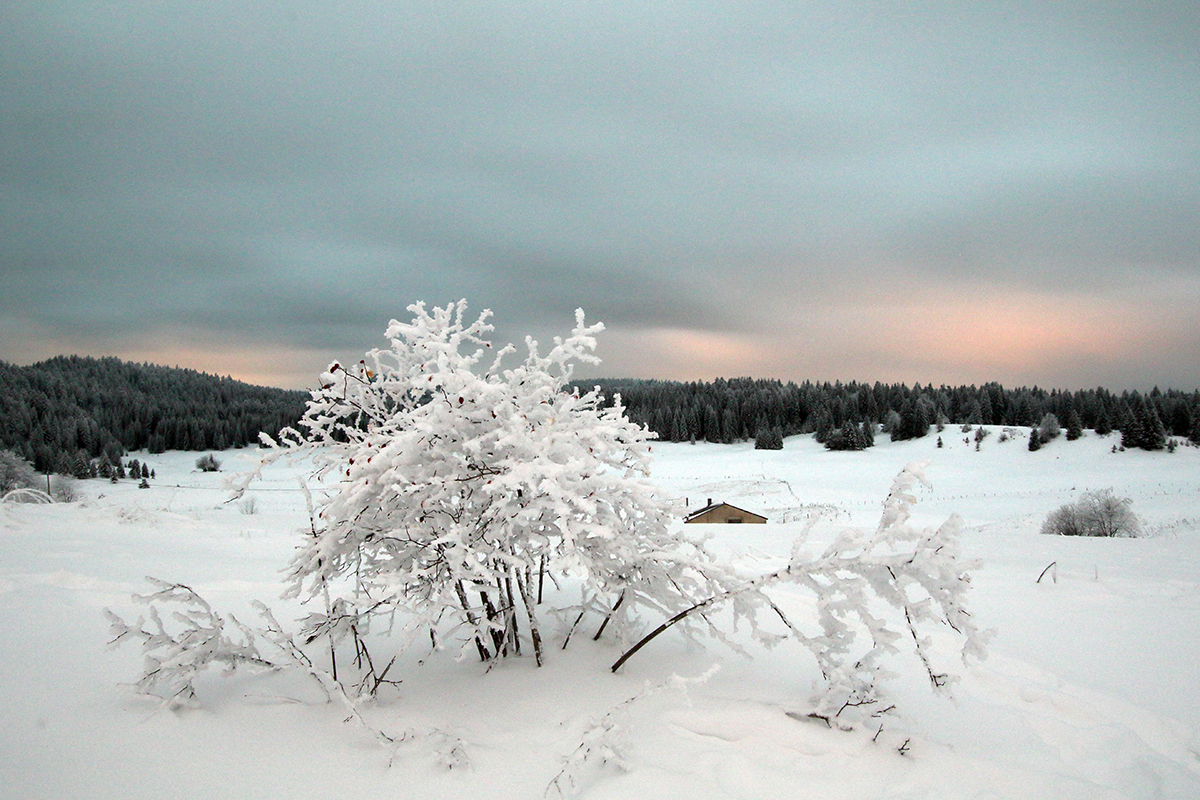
pixel 1143 428
pixel 851 436
pixel 1099 513
pixel 1048 429
pixel 15 473
pixel 456 484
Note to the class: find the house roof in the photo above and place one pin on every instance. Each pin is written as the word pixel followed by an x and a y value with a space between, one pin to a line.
pixel 711 505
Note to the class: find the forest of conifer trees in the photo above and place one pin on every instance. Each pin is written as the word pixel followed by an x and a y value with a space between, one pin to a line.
pixel 69 412
pixel 744 408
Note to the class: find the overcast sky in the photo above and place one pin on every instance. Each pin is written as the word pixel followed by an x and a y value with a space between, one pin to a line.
pixel 936 192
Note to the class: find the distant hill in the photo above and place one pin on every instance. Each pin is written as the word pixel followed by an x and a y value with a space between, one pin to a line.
pixel 54 411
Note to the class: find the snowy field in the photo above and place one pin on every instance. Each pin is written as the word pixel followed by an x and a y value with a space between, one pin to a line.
pixel 1091 690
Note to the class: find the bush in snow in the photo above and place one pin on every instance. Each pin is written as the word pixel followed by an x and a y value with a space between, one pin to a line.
pixel 15 473
pixel 1047 429
pixel 1095 514
pixel 208 463
pixel 64 489
pixel 461 485
pixel 18 482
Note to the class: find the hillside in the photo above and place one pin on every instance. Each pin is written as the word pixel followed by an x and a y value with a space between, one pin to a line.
pixel 56 411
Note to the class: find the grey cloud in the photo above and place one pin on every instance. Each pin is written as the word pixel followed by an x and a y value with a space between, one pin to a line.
pixel 302 172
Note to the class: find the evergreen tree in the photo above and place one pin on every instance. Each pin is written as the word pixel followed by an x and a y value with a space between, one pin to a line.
pixel 81 466
pixel 1143 429
pixel 867 432
pixel 768 438
pixel 822 425
pixel 1074 426
pixel 914 420
pixel 712 425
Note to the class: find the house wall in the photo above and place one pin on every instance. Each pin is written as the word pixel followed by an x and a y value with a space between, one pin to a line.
pixel 726 515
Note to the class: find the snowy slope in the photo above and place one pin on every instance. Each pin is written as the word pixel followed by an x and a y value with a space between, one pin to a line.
pixel 1090 690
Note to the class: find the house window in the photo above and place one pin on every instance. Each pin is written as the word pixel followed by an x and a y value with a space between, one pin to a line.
pixel 732 520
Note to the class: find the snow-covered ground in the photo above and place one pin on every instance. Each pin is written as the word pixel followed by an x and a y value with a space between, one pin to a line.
pixel 1091 690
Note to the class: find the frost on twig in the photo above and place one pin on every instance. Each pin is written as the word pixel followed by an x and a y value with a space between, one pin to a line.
pixel 197 638
pixel 194 637
pixel 604 740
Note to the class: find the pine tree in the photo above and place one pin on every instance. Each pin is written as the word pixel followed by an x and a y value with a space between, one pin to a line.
pixel 1143 429
pixel 81 466
pixel 867 432
pixel 768 438
pixel 1074 426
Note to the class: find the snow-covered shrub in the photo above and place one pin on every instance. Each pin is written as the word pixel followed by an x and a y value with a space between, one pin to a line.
pixel 458 485
pixel 18 482
pixel 15 473
pixel 1044 431
pixel 1049 428
pixel 203 637
pixel 63 489
pixel 1099 513
pixel 208 463
pixel 196 637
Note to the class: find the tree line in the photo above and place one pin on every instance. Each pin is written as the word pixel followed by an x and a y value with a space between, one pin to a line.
pixel 72 410
pixel 847 415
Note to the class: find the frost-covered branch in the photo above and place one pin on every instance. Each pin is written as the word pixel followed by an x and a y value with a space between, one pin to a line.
pixel 859 583
pixel 603 740
pixel 198 638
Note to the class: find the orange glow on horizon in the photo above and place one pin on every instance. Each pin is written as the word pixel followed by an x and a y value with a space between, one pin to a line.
pixel 1009 333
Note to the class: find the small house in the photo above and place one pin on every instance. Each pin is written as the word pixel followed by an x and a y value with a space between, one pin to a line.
pixel 723 513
